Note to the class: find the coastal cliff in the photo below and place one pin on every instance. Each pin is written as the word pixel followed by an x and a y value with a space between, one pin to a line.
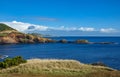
pixel 9 35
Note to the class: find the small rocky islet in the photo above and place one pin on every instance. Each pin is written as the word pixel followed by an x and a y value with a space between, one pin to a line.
pixel 9 35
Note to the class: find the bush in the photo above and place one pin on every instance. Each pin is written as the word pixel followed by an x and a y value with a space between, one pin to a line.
pixel 8 62
pixel 3 65
pixel 98 64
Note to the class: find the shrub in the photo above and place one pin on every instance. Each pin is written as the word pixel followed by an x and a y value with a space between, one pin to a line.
pixel 3 65
pixel 8 62
pixel 98 64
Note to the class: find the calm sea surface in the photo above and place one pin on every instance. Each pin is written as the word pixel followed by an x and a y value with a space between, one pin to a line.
pixel 86 53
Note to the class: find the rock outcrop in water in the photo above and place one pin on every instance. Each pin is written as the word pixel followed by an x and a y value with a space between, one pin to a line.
pixel 82 41
pixel 63 41
pixel 9 35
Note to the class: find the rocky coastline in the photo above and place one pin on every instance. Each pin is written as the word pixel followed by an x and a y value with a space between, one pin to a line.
pixel 9 35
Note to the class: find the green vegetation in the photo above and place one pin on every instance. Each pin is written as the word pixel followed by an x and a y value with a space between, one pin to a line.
pixel 4 27
pixel 3 34
pixel 36 34
pixel 23 40
pixel 98 64
pixel 8 62
pixel 58 68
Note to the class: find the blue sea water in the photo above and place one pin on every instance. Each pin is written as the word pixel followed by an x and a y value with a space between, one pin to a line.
pixel 85 53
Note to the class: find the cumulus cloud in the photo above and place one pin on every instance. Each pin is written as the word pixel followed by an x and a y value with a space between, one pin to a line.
pixel 24 27
pixel 63 28
pixel 27 27
pixel 108 30
pixel 21 26
pixel 86 29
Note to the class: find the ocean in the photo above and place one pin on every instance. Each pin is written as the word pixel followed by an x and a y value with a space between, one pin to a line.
pixel 109 54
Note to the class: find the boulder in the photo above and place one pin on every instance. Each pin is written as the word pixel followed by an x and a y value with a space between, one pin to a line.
pixel 82 41
pixel 63 41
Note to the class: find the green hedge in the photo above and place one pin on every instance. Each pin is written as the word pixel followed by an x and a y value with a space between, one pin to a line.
pixel 8 62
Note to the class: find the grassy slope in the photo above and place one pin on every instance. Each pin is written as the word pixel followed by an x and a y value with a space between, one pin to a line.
pixel 58 68
pixel 4 27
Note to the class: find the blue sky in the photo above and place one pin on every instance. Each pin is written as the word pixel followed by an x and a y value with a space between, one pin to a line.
pixel 92 17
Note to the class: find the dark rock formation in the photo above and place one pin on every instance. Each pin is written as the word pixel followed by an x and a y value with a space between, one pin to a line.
pixel 82 41
pixel 9 35
pixel 98 64
pixel 104 43
pixel 63 41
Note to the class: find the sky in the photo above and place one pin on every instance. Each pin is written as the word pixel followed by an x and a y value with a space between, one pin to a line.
pixel 63 17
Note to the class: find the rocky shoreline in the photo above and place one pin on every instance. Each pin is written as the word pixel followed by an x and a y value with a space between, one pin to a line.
pixel 30 39
pixel 83 41
pixel 15 37
pixel 9 35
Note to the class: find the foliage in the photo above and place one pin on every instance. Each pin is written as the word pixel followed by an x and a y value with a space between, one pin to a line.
pixel 23 40
pixel 5 27
pixel 58 68
pixel 3 34
pixel 98 64
pixel 36 34
pixel 8 62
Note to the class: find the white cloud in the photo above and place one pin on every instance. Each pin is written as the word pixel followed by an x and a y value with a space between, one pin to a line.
pixel 24 27
pixel 27 27
pixel 21 26
pixel 63 28
pixel 108 30
pixel 73 28
pixel 86 29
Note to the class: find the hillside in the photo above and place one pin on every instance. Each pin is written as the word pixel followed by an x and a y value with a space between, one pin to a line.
pixel 4 27
pixel 9 35
pixel 58 68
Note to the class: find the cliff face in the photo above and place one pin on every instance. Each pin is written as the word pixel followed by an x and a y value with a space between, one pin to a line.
pixel 9 36
pixel 16 37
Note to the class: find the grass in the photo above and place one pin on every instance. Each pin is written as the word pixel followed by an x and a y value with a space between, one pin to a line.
pixel 5 27
pixel 3 34
pixel 57 68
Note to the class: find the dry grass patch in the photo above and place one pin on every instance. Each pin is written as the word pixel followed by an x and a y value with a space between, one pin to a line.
pixel 55 68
